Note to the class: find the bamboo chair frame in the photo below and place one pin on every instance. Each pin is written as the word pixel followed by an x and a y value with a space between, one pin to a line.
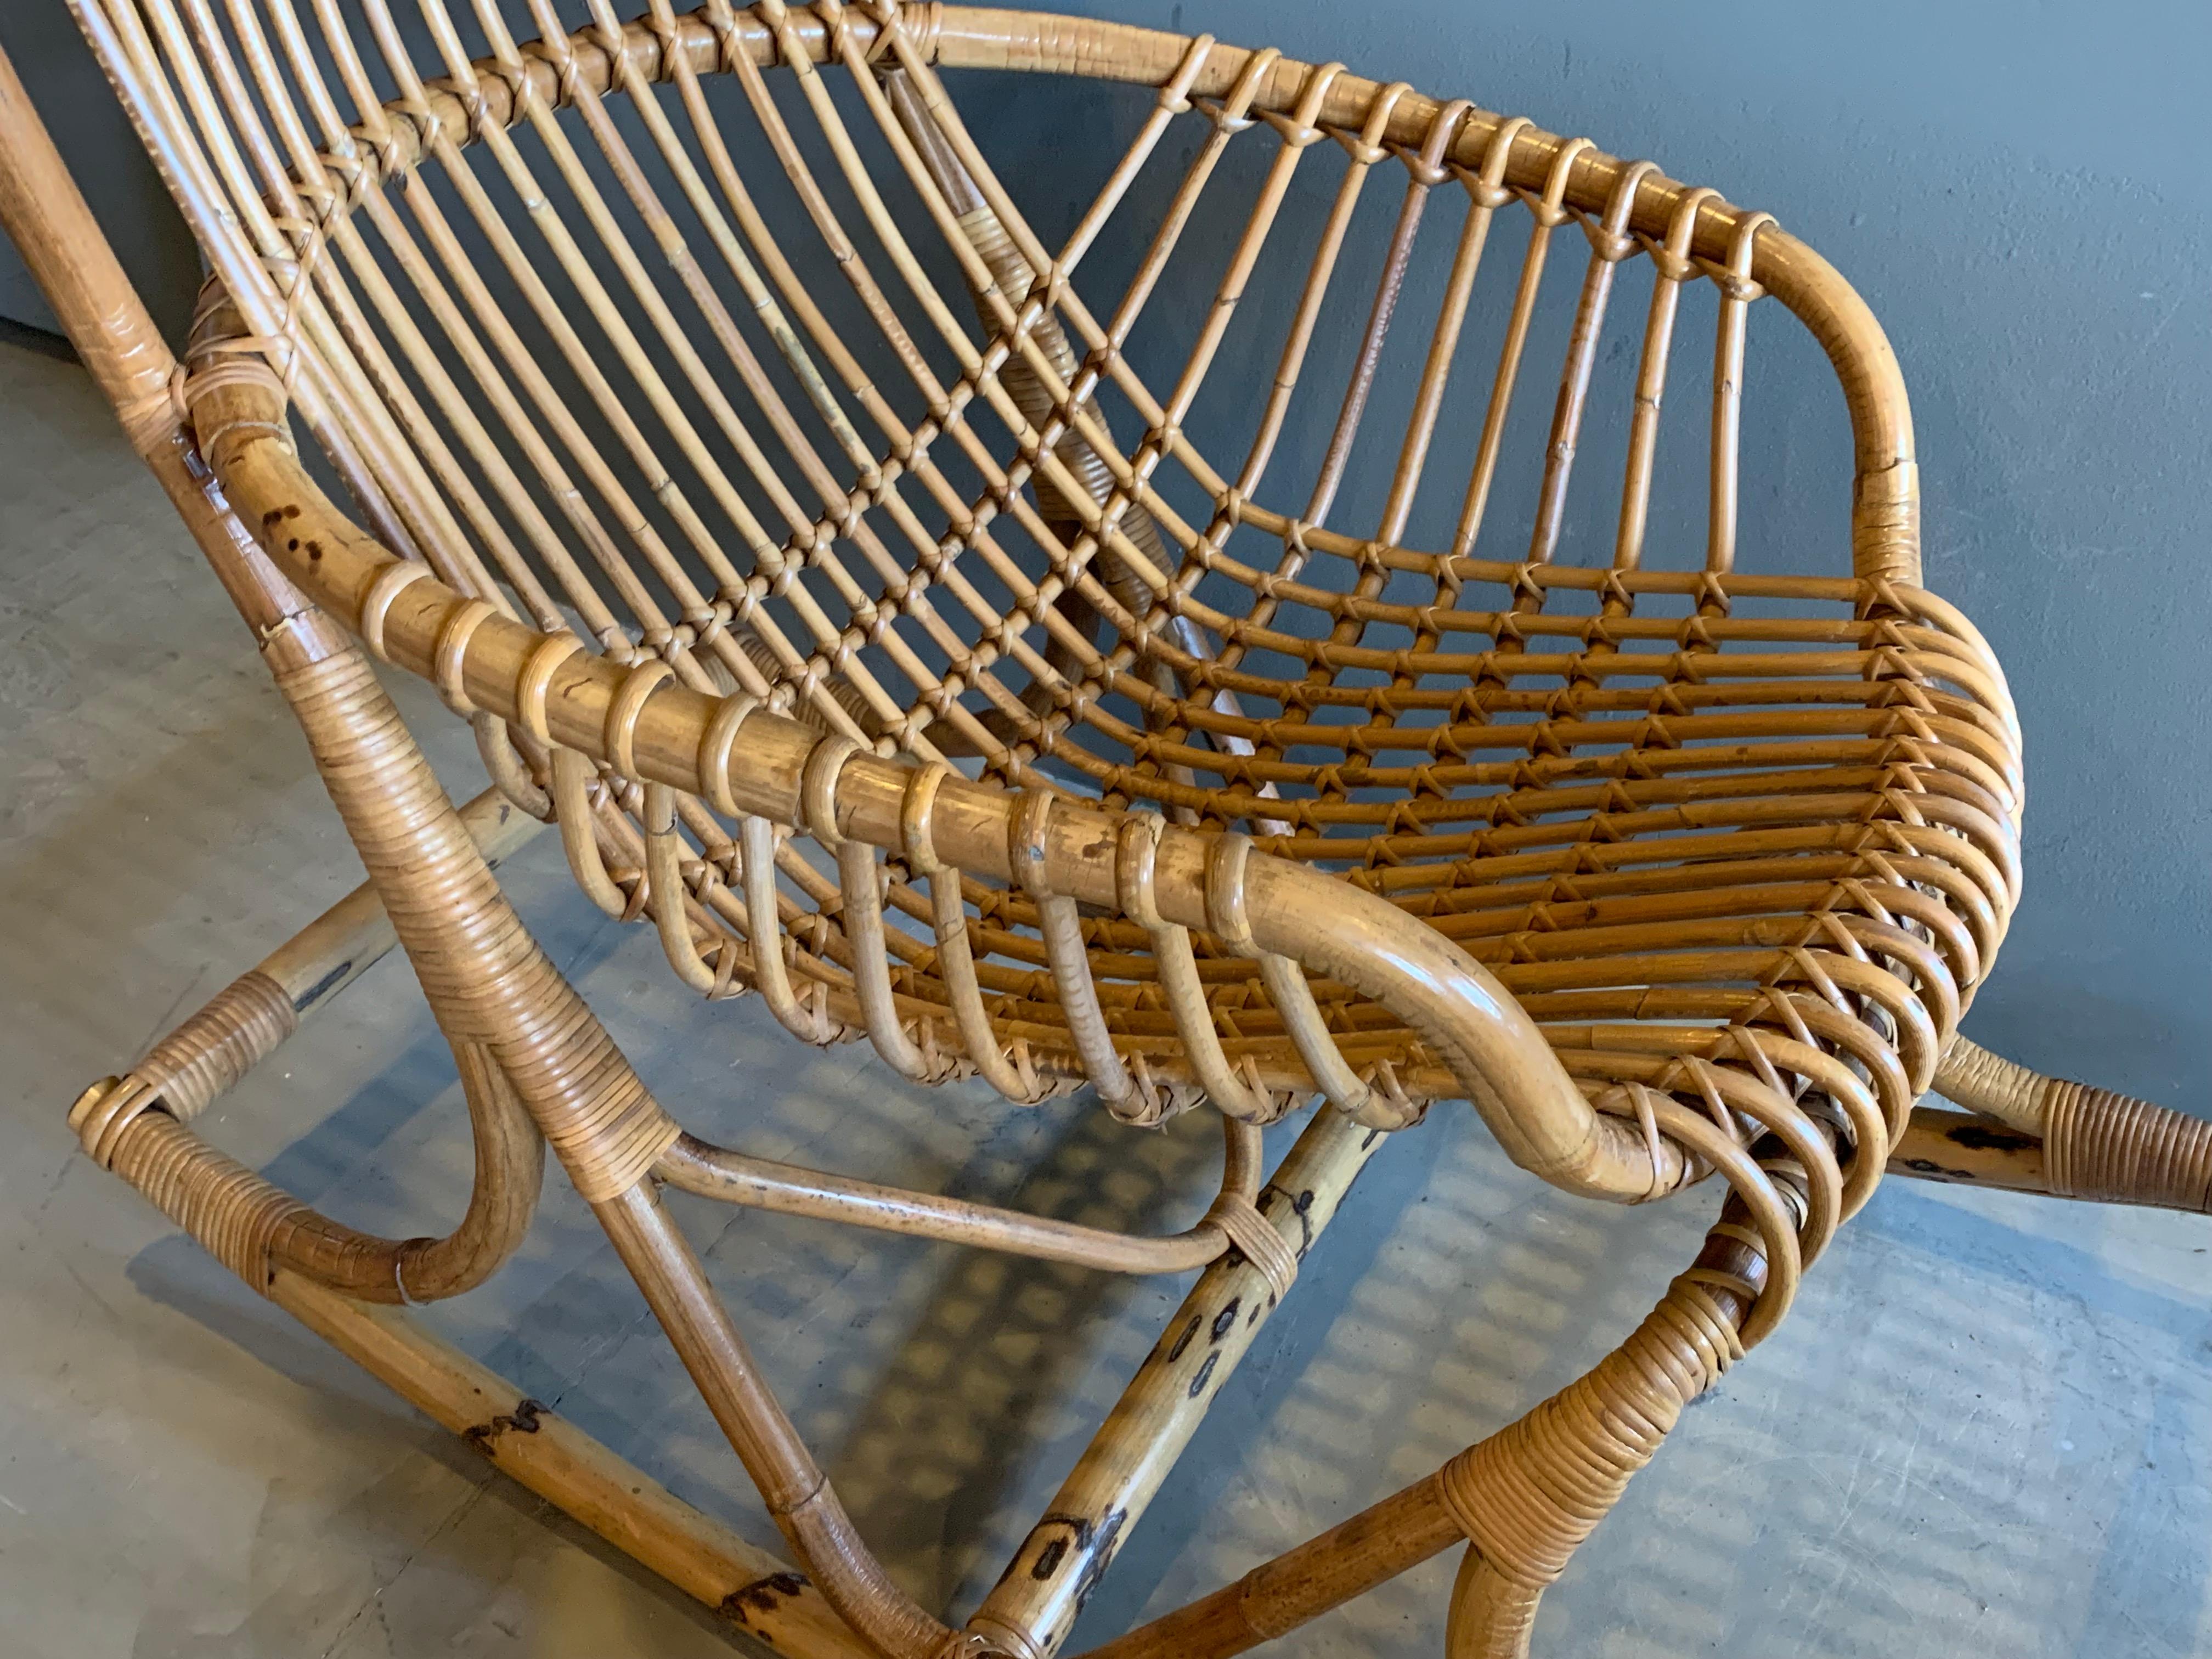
pixel 1751 844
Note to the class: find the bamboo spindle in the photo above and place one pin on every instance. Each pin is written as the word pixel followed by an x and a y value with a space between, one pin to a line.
pixel 1033 1606
pixel 761 1183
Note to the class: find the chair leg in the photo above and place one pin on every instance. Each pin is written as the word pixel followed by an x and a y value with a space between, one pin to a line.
pixel 500 1000
pixel 486 980
pixel 1528 1497
pixel 539 1449
pixel 488 983
pixel 503 1004
pixel 2066 1140
pixel 155 1148
pixel 1491 1616
pixel 1522 1500
pixel 1034 1605
pixel 805 1505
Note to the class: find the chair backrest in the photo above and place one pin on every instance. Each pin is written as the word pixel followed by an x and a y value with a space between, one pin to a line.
pixel 778 382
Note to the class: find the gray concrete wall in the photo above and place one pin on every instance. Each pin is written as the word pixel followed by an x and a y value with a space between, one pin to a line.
pixel 2024 193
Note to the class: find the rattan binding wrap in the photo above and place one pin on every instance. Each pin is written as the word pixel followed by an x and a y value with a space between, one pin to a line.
pixel 2096 1143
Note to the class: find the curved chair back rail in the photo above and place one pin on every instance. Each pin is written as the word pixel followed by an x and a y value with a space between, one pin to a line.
pixel 600 59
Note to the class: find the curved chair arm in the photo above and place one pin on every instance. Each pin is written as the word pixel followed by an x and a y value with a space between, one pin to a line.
pixel 139 1126
pixel 1255 902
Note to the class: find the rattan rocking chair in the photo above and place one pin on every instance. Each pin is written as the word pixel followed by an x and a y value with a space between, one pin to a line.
pixel 869 593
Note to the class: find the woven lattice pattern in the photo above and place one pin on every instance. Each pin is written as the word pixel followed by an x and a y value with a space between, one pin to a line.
pixel 714 341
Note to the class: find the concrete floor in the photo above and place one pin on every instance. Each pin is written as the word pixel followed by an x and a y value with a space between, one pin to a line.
pixel 1987 1426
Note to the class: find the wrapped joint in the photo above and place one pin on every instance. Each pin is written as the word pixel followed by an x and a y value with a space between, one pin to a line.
pixel 201 1060
pixel 1886 522
pixel 234 1213
pixel 618 736
pixel 2113 1149
pixel 817 788
pixel 1988 1083
pixel 376 603
pixel 609 1134
pixel 1529 1496
pixel 1251 1232
pixel 536 678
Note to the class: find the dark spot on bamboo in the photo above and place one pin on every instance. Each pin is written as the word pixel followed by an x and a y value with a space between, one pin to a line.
pixel 761 1596
pixel 1205 1374
pixel 1930 1167
pixel 292 544
pixel 1183 1341
pixel 321 987
pixel 314 550
pixel 1225 1321
pixel 1988 1138
pixel 1059 1534
pixel 523 1419
pixel 292 512
pixel 1101 1555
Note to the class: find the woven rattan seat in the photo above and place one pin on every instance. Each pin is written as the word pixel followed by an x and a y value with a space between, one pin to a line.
pixel 1582 775
pixel 1174 653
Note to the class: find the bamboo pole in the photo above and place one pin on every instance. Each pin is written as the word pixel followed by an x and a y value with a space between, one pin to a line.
pixel 787 1189
pixel 1034 1603
pixel 799 1495
pixel 540 1449
pixel 2099 1148
pixel 1964 1149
